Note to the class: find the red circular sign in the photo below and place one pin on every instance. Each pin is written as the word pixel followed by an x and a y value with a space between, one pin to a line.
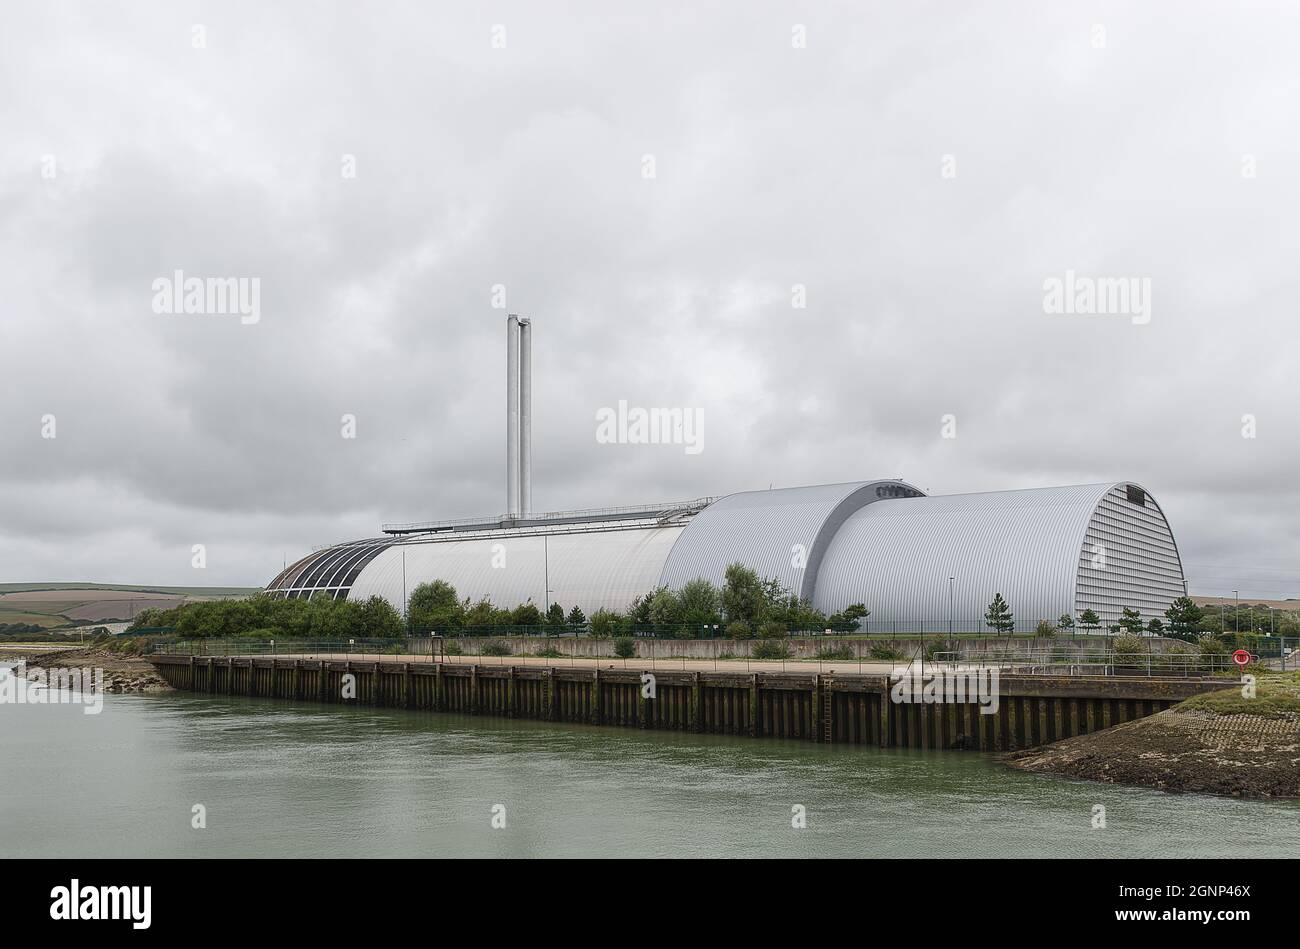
pixel 1241 657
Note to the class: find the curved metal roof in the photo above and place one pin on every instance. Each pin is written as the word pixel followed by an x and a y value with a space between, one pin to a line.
pixel 782 533
pixel 834 545
pixel 1029 545
pixel 593 569
pixel 328 569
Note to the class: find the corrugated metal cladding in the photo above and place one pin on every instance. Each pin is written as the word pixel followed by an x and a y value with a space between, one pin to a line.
pixel 593 569
pixel 782 533
pixel 896 557
pixel 1048 551
pixel 1129 557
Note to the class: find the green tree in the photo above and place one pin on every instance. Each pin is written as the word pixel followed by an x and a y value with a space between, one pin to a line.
pixel 526 614
pixel 849 619
pixel 795 613
pixel 577 617
pixel 1185 619
pixel 483 613
pixel 379 620
pixel 701 603
pixel 1088 619
pixel 434 605
pixel 604 623
pixel 1157 628
pixel 743 595
pixel 1131 621
pixel 555 615
pixel 999 616
pixel 1066 622
pixel 638 614
pixel 665 608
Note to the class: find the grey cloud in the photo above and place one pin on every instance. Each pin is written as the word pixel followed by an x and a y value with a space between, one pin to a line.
pixel 521 167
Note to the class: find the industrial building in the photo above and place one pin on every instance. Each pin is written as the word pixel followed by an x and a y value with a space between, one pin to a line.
pixel 914 560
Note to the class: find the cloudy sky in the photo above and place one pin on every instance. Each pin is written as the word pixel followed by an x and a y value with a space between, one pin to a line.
pixel 650 187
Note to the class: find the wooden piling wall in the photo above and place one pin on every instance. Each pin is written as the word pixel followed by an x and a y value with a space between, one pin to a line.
pixel 840 708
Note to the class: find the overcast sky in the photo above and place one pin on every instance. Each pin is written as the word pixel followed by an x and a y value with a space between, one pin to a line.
pixel 921 169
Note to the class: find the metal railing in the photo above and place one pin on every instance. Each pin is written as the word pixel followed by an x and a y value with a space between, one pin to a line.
pixel 359 648
pixel 582 515
pixel 655 653
pixel 1091 662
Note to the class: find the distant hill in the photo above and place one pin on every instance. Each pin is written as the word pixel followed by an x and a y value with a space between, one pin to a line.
pixel 127 587
pixel 55 605
pixel 1246 601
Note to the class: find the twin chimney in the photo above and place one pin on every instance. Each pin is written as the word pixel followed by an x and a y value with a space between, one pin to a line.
pixel 519 416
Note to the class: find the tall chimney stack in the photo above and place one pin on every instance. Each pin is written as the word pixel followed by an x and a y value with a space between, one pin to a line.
pixel 512 416
pixel 525 417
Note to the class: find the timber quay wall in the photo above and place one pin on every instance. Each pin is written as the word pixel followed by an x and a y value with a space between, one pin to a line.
pixel 838 708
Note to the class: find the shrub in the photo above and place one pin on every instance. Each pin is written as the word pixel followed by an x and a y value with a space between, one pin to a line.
pixel 885 652
pixel 837 653
pixel 452 648
pixel 494 647
pixel 1044 630
pixel 550 652
pixel 625 647
pixel 936 646
pixel 771 649
pixel 1130 651
pixel 739 630
pixel 1213 646
pixel 771 630
pixel 1128 645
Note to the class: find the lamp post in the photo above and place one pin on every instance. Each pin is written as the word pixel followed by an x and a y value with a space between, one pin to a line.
pixel 950 579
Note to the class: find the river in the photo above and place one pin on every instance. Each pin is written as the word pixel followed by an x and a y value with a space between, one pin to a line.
pixel 281 779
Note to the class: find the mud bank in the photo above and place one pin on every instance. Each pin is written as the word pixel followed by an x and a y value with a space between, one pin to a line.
pixel 122 674
pixel 1213 744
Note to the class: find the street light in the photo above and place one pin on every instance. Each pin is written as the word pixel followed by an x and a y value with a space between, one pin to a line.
pixel 950 579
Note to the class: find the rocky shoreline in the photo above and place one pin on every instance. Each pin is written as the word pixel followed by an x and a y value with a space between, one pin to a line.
pixel 122 673
pixel 1191 748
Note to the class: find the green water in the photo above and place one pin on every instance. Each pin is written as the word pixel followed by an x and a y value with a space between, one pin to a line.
pixel 280 779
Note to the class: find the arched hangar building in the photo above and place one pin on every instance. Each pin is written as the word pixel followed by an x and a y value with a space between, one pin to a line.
pixel 885 544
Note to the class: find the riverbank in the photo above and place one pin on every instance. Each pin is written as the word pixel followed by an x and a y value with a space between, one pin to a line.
pixel 123 673
pixel 1218 743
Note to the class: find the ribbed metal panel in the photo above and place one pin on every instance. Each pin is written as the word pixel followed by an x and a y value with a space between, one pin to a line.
pixel 896 556
pixel 1141 568
pixel 593 570
pixel 768 530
